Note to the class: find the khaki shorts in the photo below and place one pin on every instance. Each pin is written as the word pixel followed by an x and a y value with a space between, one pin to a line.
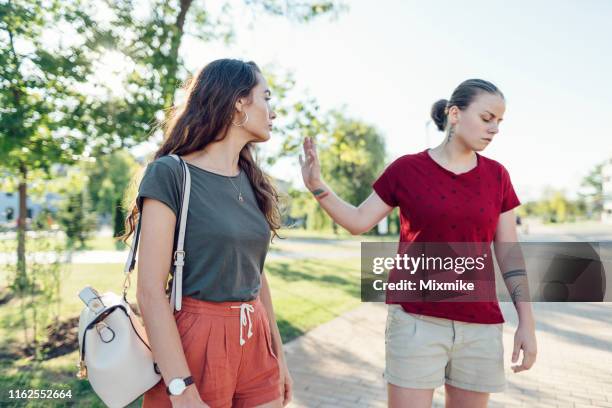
pixel 425 352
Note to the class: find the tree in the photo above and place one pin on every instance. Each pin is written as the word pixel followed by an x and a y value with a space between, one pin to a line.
pixel 592 194
pixel 352 156
pixel 44 113
pixel 109 176
pixel 76 218
pixel 299 114
pixel 554 207
pixel 152 43
pixel 48 49
pixel 119 219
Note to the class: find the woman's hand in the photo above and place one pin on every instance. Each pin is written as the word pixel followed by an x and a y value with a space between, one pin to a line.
pixel 286 382
pixel 524 339
pixel 311 170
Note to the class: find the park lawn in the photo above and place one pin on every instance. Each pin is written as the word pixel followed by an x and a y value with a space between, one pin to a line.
pixel 32 244
pixel 306 293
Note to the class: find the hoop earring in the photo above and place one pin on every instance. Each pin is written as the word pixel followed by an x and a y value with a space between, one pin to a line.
pixel 246 119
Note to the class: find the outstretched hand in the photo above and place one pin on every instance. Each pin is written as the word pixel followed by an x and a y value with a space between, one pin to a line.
pixel 311 170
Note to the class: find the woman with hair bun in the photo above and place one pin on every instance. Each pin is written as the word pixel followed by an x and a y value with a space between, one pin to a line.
pixel 449 193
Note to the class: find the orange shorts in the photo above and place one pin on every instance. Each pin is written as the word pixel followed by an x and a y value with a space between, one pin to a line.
pixel 226 372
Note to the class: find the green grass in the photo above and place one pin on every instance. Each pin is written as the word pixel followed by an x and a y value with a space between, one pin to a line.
pixel 58 373
pixel 306 293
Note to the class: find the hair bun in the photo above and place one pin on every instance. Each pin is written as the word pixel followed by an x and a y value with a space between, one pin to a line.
pixel 438 113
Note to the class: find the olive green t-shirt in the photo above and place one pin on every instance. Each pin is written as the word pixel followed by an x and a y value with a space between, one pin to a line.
pixel 226 240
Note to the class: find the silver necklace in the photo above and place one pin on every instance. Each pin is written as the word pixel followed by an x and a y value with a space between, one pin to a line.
pixel 238 190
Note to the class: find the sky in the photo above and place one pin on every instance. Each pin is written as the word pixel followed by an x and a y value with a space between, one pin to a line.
pixel 388 61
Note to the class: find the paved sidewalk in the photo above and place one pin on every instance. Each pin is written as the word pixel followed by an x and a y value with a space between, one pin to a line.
pixel 340 363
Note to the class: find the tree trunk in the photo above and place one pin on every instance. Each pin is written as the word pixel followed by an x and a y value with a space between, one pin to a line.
pixel 177 37
pixel 24 321
pixel 21 278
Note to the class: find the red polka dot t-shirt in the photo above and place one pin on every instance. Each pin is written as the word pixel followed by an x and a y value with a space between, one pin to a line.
pixel 437 205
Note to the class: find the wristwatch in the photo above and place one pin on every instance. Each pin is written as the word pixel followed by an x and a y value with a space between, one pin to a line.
pixel 178 385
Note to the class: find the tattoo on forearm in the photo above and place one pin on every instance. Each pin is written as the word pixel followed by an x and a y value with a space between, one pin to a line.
pixel 318 191
pixel 515 293
pixel 512 274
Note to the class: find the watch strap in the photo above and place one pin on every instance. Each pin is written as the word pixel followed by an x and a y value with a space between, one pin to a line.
pixel 187 380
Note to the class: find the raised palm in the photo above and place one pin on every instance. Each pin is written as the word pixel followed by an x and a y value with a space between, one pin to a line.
pixel 311 170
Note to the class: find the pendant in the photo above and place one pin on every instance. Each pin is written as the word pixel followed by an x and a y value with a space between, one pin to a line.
pixel 240 198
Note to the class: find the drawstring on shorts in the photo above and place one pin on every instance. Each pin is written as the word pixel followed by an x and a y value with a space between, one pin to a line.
pixel 245 317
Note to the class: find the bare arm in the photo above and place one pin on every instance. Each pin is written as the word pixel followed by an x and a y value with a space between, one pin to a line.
pixel 156 242
pixel 277 342
pixel 266 300
pixel 356 220
pixel 512 265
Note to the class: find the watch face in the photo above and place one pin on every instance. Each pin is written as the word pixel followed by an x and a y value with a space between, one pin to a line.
pixel 177 386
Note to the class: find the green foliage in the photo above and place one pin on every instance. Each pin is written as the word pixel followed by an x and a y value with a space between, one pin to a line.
pixel 76 218
pixel 299 114
pixel 352 156
pixel 52 107
pixel 75 211
pixel 298 10
pixel 44 114
pixel 108 178
pixel 592 195
pixel 151 43
pixel 554 207
pixel 305 207
pixel 47 49
pixel 43 220
pixel 118 220
pixel 38 292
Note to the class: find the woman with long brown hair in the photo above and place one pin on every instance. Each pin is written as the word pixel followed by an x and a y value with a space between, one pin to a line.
pixel 223 347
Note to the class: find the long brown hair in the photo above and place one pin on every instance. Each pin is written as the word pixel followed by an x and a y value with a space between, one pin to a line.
pixel 204 118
